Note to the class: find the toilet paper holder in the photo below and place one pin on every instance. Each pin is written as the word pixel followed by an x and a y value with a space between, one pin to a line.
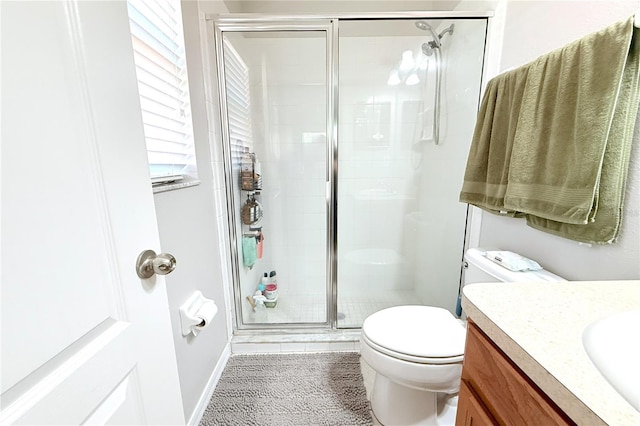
pixel 196 313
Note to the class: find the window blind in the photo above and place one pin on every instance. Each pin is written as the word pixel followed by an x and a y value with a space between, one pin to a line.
pixel 238 102
pixel 159 54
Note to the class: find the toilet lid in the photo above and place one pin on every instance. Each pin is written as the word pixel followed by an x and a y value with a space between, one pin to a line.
pixel 416 331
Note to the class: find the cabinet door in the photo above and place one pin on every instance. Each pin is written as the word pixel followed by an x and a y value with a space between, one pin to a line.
pixel 471 411
pixel 507 393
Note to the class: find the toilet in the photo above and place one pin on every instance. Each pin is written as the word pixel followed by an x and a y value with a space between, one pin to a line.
pixel 417 352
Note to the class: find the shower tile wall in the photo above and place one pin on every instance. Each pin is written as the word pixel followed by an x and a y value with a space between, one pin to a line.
pixel 289 113
pixel 293 164
pixel 400 224
pixel 377 184
pixel 440 214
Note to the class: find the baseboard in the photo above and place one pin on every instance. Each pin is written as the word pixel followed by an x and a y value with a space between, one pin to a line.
pixel 201 406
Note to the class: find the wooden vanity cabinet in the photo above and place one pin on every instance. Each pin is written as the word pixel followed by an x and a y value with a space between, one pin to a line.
pixel 494 391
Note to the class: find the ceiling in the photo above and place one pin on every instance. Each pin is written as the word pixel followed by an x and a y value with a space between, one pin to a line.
pixel 331 6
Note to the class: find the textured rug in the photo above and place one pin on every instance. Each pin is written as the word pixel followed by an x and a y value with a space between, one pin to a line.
pixel 290 389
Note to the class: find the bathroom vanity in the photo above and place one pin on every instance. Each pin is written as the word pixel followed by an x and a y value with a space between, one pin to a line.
pixel 494 390
pixel 524 358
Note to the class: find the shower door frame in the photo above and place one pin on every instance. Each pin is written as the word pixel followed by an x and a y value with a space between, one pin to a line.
pixel 222 25
pixel 256 22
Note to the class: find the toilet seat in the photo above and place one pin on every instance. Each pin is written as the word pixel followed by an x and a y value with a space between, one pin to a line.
pixel 420 334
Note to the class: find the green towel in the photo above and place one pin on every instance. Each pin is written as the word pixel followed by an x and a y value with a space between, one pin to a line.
pixel 557 151
pixel 564 126
pixel 609 196
pixel 485 180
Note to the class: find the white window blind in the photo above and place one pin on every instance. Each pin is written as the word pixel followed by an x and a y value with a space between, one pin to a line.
pixel 238 102
pixel 158 45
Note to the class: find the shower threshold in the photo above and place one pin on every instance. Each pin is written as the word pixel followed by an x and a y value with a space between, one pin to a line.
pixel 354 308
pixel 272 341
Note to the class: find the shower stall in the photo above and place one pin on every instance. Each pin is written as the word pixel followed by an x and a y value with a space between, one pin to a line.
pixel 345 140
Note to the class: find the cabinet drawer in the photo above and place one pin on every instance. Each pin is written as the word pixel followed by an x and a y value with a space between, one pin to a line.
pixel 506 392
pixel 471 411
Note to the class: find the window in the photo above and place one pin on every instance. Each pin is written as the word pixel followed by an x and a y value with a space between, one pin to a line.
pixel 158 46
pixel 238 103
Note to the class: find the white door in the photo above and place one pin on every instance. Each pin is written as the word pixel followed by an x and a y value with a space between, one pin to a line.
pixel 84 340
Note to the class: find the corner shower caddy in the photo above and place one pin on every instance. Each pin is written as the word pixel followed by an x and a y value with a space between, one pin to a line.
pixel 251 182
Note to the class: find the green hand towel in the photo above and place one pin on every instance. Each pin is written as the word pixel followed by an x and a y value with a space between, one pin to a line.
pixel 571 148
pixel 249 251
pixel 485 179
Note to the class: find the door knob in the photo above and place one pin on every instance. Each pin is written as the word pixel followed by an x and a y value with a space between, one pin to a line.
pixel 149 263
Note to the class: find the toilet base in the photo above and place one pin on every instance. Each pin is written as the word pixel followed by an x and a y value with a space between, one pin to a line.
pixel 394 404
pixel 447 409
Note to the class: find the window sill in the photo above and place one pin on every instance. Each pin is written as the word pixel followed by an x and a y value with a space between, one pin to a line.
pixel 175 185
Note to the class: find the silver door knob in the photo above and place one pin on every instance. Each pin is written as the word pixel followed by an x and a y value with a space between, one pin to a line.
pixel 149 263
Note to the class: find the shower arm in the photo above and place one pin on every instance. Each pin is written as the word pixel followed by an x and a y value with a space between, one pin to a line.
pixel 449 30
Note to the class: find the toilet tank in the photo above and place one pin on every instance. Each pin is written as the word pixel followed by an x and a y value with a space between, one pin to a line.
pixel 481 269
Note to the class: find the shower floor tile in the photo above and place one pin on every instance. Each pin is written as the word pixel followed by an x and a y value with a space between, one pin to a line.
pixel 356 309
pixel 292 308
pixel 311 308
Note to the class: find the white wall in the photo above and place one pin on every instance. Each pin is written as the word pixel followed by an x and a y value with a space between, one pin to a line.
pixel 533 28
pixel 188 222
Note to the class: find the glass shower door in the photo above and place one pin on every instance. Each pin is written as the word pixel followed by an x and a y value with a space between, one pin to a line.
pixel 276 105
pixel 400 226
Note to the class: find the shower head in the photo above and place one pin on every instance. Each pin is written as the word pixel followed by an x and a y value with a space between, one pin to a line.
pixel 427 48
pixel 423 25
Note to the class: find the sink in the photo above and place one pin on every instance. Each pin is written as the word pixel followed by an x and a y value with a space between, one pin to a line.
pixel 613 345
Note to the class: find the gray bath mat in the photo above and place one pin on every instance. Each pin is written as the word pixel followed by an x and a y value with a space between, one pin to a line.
pixel 290 389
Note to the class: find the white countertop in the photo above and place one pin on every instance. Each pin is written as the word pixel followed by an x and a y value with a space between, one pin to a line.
pixel 539 326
